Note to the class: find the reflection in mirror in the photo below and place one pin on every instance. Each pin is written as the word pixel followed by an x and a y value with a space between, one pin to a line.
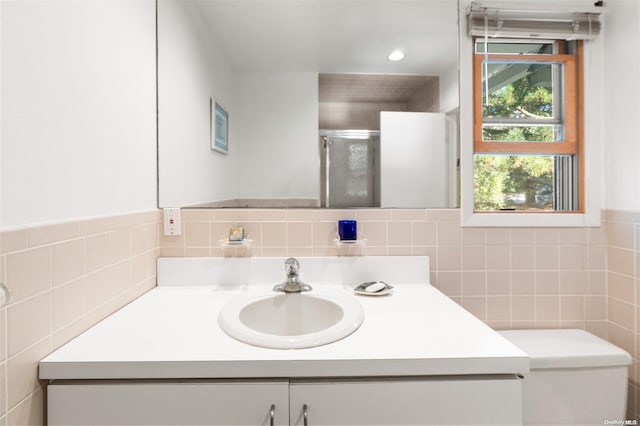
pixel 292 75
pixel 350 168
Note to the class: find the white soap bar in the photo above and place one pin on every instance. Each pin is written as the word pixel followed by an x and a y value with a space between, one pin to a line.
pixel 375 287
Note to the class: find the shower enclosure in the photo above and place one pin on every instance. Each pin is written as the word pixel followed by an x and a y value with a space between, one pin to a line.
pixel 350 168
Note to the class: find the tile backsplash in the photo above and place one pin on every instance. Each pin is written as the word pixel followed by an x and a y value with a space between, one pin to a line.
pixel 623 296
pixel 66 277
pixel 508 277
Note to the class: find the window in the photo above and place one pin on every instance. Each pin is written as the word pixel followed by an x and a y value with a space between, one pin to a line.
pixel 528 138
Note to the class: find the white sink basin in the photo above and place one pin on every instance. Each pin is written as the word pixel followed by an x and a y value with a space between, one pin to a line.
pixel 291 321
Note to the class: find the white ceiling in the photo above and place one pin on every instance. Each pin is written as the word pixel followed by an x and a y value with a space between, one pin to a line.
pixel 335 36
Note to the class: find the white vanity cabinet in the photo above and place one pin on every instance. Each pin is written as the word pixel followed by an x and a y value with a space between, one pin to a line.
pixel 111 402
pixel 417 359
pixel 407 401
pixel 375 401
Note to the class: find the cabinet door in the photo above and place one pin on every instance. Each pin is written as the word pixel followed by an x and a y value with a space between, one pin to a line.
pixel 446 401
pixel 168 403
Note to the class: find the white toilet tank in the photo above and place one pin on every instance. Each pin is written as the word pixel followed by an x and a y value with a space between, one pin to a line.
pixel 576 378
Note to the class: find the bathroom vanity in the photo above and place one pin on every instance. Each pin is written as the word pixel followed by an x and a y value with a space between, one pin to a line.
pixel 417 358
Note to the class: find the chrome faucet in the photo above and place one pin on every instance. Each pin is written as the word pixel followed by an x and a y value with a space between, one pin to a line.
pixel 293 283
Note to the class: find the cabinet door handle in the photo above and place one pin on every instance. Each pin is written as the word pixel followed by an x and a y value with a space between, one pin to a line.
pixel 272 414
pixel 304 414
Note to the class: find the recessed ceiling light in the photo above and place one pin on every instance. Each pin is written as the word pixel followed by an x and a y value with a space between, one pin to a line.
pixel 396 55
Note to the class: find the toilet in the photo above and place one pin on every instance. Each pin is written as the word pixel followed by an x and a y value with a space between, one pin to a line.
pixel 575 378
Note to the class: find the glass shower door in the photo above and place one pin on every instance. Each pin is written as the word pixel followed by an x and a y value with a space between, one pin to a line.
pixel 353 172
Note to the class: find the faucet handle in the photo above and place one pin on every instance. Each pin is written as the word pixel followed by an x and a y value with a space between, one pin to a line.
pixel 291 267
pixel 293 283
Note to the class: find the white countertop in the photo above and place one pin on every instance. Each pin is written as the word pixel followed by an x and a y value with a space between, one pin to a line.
pixel 172 332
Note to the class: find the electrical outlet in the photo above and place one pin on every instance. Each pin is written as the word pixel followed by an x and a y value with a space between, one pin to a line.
pixel 172 222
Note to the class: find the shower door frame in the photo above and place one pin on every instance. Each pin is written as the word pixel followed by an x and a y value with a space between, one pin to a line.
pixel 324 135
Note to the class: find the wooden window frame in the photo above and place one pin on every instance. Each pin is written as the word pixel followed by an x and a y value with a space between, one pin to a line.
pixel 573 96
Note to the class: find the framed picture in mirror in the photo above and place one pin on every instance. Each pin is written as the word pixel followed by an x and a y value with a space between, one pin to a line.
pixel 220 128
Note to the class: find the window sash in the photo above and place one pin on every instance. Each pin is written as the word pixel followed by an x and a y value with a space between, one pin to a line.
pixel 569 86
pixel 565 184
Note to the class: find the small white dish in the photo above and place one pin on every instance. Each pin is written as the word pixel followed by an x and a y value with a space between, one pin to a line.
pixel 379 293
pixel 374 288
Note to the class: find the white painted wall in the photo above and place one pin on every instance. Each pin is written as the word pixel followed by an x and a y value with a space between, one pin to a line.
pixel 413 169
pixel 78 135
pixel 191 70
pixel 449 95
pixel 278 126
pixel 622 104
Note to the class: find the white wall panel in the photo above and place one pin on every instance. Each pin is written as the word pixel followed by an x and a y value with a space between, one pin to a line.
pixel 622 104
pixel 278 116
pixel 191 70
pixel 78 134
pixel 413 159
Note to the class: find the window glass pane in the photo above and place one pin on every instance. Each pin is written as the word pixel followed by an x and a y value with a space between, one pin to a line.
pixel 514 133
pixel 518 90
pixel 521 98
pixel 524 182
pixel 516 48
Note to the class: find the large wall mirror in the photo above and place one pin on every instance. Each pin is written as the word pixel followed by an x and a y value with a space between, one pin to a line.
pixel 295 103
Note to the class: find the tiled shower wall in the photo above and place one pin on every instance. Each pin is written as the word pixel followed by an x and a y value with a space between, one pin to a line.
pixel 623 276
pixel 510 278
pixel 64 278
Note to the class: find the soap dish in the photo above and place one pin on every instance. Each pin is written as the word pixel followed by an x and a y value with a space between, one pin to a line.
pixel 374 288
pixel 226 242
